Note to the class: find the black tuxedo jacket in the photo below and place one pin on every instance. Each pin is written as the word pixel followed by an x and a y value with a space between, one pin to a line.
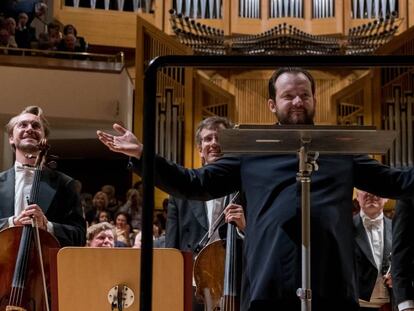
pixel 187 223
pixel 403 251
pixel 272 244
pixel 58 200
pixel 366 267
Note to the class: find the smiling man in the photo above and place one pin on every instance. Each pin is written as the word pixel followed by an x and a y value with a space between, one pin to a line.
pixel 188 221
pixel 58 210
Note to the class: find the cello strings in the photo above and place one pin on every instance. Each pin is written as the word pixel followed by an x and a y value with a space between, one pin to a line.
pixel 39 248
pixel 218 221
pixel 17 289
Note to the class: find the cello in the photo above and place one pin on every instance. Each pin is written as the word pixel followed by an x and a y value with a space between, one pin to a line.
pixel 24 260
pixel 217 273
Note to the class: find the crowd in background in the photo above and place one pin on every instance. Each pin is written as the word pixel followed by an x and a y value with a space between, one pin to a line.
pixel 23 24
pixel 105 212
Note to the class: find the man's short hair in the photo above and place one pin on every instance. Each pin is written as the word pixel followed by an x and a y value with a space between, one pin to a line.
pixel 95 229
pixel 211 123
pixel 37 111
pixel 294 70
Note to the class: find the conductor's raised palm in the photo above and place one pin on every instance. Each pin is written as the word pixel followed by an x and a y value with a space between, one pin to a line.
pixel 126 142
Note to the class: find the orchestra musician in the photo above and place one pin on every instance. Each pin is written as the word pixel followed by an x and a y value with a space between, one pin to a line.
pixel 272 245
pixel 59 211
pixel 190 221
pixel 373 237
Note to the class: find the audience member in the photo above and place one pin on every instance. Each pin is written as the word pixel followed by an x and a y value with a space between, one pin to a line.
pixel 113 203
pixel 99 203
pixel 103 216
pixel 159 234
pixel 39 21
pixel 11 27
pixel 373 236
pixel 25 34
pixel 50 40
pixel 137 241
pixel 133 207
pixel 101 235
pixel 6 40
pixel 80 41
pixel 123 228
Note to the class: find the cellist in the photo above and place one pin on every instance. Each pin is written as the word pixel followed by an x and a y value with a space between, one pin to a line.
pixel 59 211
pixel 190 222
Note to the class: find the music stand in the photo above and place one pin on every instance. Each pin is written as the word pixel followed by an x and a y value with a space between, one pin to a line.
pixel 308 142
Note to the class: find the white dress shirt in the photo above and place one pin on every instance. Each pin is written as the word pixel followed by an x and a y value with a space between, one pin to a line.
pixel 22 186
pixel 374 227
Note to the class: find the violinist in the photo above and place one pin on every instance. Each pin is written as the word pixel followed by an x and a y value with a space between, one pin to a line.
pixel 59 211
pixel 189 221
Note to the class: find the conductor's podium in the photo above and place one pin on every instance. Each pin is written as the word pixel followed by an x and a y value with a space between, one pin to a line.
pixel 93 279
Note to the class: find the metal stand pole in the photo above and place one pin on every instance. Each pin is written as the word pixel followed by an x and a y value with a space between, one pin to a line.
pixel 306 166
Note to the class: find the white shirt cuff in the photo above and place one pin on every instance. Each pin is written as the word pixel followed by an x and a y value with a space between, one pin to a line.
pixel 50 228
pixel 11 224
pixel 406 305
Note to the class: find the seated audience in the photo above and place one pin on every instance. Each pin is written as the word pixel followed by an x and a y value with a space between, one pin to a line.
pixel 80 41
pixel 123 228
pixel 6 40
pixel 137 241
pixel 113 203
pixel 101 235
pixel 11 27
pixel 39 21
pixel 50 40
pixel 99 203
pixel 159 230
pixel 68 44
pixel 103 216
pixel 133 207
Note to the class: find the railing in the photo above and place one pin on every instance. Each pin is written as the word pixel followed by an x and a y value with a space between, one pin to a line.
pixel 110 58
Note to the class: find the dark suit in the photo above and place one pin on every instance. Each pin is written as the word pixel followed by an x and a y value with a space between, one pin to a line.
pixel 58 200
pixel 403 251
pixel 187 223
pixel 367 271
pixel 272 245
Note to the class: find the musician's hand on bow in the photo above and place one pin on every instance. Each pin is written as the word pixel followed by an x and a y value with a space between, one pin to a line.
pixel 126 142
pixel 234 213
pixel 31 212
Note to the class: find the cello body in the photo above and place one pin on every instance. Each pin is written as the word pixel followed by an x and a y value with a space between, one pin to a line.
pixel 31 297
pixel 217 274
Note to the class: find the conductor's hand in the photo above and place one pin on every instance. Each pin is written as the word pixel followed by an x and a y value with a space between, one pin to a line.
pixel 34 212
pixel 126 142
pixel 234 213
